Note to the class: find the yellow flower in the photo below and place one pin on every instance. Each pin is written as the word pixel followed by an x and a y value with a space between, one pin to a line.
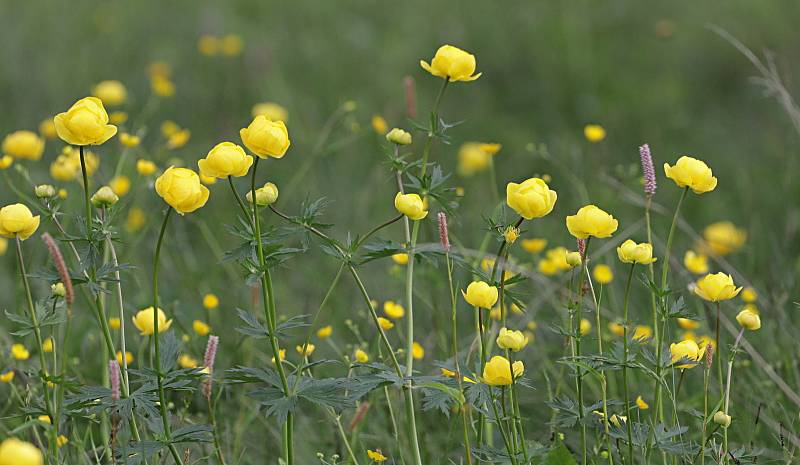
pixel 6 161
pixel 129 140
pixel 511 234
pixel 45 419
pixel 547 267
pixel 641 403
pixel 376 456
pixel 616 329
pixel 748 318
pixel 115 117
pixel 225 159
pixel 642 333
pixel 266 138
pixel 85 123
pixel 272 111
pixel 16 452
pixel 361 356
pixel 631 252
pixel 531 199
pixel 722 419
pixel 452 63
pixel 145 167
pixel 232 45
pixel 201 328
pixel 594 132
pixel 162 86
pixel 410 205
pixel 169 128
pixel 400 258
pixel 585 327
pixel 128 358
pixel 47 128
pixel 749 295
pixel 266 195
pixel 491 148
pixel 208 45
pixel 686 349
pixel 716 287
pixel 472 158
pixel 591 221
pixel 187 361
pixel 399 137
pixel 62 193
pixel 417 351
pixel 573 259
pixel 19 352
pixel 325 332
pixel 448 373
pixel 379 124
pixel 210 301
pixel 602 273
pixel 179 139
pixel 144 321
pixel 7 377
pixel 25 145
pixel 136 220
pixel 47 345
pixel 281 355
pixel 535 245
pixel 207 180
pixel 481 295
pixel 692 173
pixel 62 440
pixel 723 237
pixel 705 341
pixel 181 189
pixel 696 263
pixel 393 310
pixel 688 324
pixel 17 221
pixel 121 185
pixel 112 93
pixel 309 349
pixel 385 323
pixel 104 197
pixel 114 323
pixel 497 371
pixel 512 340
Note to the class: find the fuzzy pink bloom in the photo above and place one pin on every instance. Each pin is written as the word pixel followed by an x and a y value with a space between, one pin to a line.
pixel 61 266
pixel 208 362
pixel 443 237
pixel 411 96
pixel 648 170
pixel 113 376
pixel 582 248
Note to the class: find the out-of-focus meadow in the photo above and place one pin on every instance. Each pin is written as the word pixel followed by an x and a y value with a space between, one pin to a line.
pixel 647 72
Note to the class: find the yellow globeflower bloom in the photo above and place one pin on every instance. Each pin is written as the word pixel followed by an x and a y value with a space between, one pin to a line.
pixel 162 86
pixel 129 140
pixel 687 349
pixel 136 220
pixel 642 333
pixel 114 323
pixel 376 456
pixel 7 377
pixel 534 245
pixel 591 221
pixel 602 273
pixel 25 145
pixel 85 123
pixel 309 349
pixel 716 287
pixel 62 440
pixel 17 221
pixel 232 45
pixel 47 345
pixel 266 138
pixel 617 329
pixel 266 195
pixel 145 167
pixel 325 332
pixel 281 355
pixel 724 237
pixel 121 185
pixel 533 198
pixel 410 205
pixel 225 159
pixel 210 301
pixel 179 139
pixel 472 158
pixel 393 310
pixel 117 117
pixel 688 324
pixel 143 321
pixel 547 267
pixel 16 452
pixel 208 45
pixel 631 252
pixel 594 133
pixel 128 358
pixel 749 318
pixel 19 352
pixel 361 356
pixel 585 327
pixel 6 161
pixel 385 323
pixel 379 124
pixel 112 93
pixel 201 328
pixel 480 294
pixel 400 258
pixel 272 111
pixel 187 361
pixel 169 128
pixel 692 173
pixel 498 371
pixel 512 340
pixel 695 262
pixel 452 63
pixel 47 128
pixel 182 190
pixel 417 351
pixel 641 403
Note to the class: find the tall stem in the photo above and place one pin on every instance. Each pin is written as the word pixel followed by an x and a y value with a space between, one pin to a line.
pixel 626 398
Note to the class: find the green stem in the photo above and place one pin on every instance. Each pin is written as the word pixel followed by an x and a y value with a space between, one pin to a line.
pixel 626 397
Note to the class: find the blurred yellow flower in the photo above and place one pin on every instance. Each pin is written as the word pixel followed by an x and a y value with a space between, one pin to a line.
pixel 452 63
pixel 47 128
pixel 688 324
pixel 309 349
pixel 642 333
pixel 686 349
pixel 85 123
pixel 136 220
pixel 379 124
pixel 187 361
pixel 498 371
pixel 594 132
pixel 112 93
pixel 210 301
pixel 695 262
pixel 749 295
pixel 591 221
pixel 631 252
pixel 179 139
pixel 417 351
pixel 385 323
pixel 128 358
pixel 201 328
pixel 208 45
pixel 361 356
pixel 24 145
pixel 62 440
pixel 3 245
pixel 266 138
pixel 129 140
pixel 393 310
pixel 585 327
pixel 271 110
pixel 17 221
pixel 716 287
pixel 121 185
pixel 232 45
pixel 692 173
pixel 723 238
pixel 143 320
pixel 641 403
pixel 162 86
pixel 511 340
pixel 19 352
pixel 117 117
pixel 602 273
pixel 7 377
pixel 617 329
pixel 47 345
pixel 472 158
pixel 145 167
pixel 534 245
pixel 325 332
pixel 225 159
pixel 16 452
pixel 410 205
pixel 182 190
pixel 114 323
pixel 6 161
pixel 400 258
pixel 480 294
pixel 376 456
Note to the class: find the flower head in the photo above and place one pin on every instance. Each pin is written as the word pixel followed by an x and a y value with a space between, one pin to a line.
pixel 376 456
pixel 723 238
pixel 225 159
pixel 533 198
pixel 20 352
pixel 749 318
pixel 85 123
pixel 498 371
pixel 143 320
pixel 692 173
pixel 25 145
pixel 452 63
pixel 591 221
pixel 16 452
pixel 266 138
pixel 17 221
pixel 687 349
pixel 696 263
pixel 716 287
pixel 201 328
pixel 399 136
pixel 602 273
pixel 112 93
pixel 631 252
pixel 512 340
pixel 393 310
pixel 272 111
pixel 647 170
pixel 481 295
pixel 410 205
pixel 594 133
pixel 325 332
pixel 181 189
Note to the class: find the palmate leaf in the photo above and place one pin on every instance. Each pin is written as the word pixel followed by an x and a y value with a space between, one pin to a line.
pixel 138 452
pixel 192 433
pixel 442 396
pixel 380 248
pixel 253 326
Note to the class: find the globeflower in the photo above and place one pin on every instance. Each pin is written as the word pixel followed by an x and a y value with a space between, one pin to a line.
pixel 145 167
pixel 181 189
pixel 112 93
pixel 266 195
pixel 17 221
pixel 749 318
pixel 16 452
pixel 692 173
pixel 129 140
pixel 19 352
pixel 325 332
pixel 472 158
pixel 723 238
pixel 23 145
pixel 602 273
pixel 695 262
pixel 687 349
pixel 534 245
pixel 591 221
pixel 393 310
pixel 399 136
pixel 716 287
pixel 225 159
pixel 210 301
pixel 511 340
pixel 272 111
pixel 531 199
pixel 85 123
pixel 266 138
pixel 452 63
pixel 410 205
pixel 143 321
pixel 594 133
pixel 631 252
pixel 481 295
pixel 385 323
pixel 201 328
pixel 498 371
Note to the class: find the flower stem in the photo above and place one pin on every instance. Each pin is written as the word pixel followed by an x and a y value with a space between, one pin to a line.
pixel 626 398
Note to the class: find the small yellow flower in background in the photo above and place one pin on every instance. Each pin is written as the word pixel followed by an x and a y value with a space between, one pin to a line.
pixel 6 161
pixel 117 117
pixel 573 259
pixel 491 148
pixel 511 234
pixel 686 349
pixel 121 185
pixel 129 140
pixel 723 238
pixel 136 220
pixel 266 195
pixel 179 139
pixel 555 260
pixel 182 190
pixel 143 320
pixel 749 318
pixel 749 295
pixel 7 377
pixel 497 371
pixel 309 349
pixel 361 356
pixel 272 111
pixel 399 137
pixel 162 86
pixel 208 45
pixel 232 45
pixel 145 167
pixel 201 328
pixel 47 345
pixel 452 63
pixel 19 352
pixel 47 128
pixel 591 221
pixel 281 355
pixel 16 452
pixel 104 197
pixel 325 332
pixel 417 351
pixel 266 138
pixel 112 93
pixel 534 245
pixel 472 158
pixel 495 313
pixel 385 323
pixel 400 258
pixel 547 267
pixel 210 301
pixel 594 133
pixel 617 329
pixel 641 403
pixel 688 324
pixel 187 361
pixel 696 263
pixel 533 198
pixel 602 273
pixel 225 159
pixel 480 294
pixel 716 287
pixel 169 128
pixel 410 205
pixel 692 173
pixel 17 221
pixel 114 323
pixel 379 125
pixel 722 419
pixel 3 246
pixel 448 373
pixel 85 123
pixel 44 419
pixel 393 310
pixel 376 456
pixel 23 145
pixel 62 193
pixel 631 252
pixel 62 440
pixel 585 327
pixel 128 358
pixel 642 333
pixel 512 340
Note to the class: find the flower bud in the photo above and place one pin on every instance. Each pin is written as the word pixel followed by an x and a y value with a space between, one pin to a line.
pixel 573 259
pixel 511 234
pixel 266 195
pixel 104 197
pixel 399 137
pixel 45 191
pixel 722 419
pixel 58 290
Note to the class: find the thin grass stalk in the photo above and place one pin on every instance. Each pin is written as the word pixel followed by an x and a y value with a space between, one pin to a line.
pixel 625 395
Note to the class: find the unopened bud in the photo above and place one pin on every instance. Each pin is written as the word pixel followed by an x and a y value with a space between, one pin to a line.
pixel 45 191
pixel 104 197
pixel 573 259
pixel 399 137
pixel 58 290
pixel 722 419
pixel 266 195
